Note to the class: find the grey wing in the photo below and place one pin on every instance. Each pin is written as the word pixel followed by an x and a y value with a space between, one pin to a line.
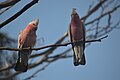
pixel 22 39
pixel 84 34
pixel 69 33
pixel 70 37
pixel 19 37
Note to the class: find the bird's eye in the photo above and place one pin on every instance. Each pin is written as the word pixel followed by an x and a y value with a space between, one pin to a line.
pixel 34 24
pixel 76 14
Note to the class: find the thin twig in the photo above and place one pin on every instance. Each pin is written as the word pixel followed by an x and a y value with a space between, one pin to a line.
pixel 8 3
pixel 103 15
pixel 43 68
pixel 97 6
pixel 52 45
pixel 6 68
pixel 50 50
pixel 18 13
pixel 54 58
pixel 5 10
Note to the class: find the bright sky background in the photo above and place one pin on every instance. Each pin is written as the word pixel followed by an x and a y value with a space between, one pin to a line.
pixel 102 58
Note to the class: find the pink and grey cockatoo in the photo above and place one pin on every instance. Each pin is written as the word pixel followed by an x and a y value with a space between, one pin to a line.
pixel 26 39
pixel 76 32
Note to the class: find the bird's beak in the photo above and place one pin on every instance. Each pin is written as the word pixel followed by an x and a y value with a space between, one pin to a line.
pixel 36 21
pixel 73 12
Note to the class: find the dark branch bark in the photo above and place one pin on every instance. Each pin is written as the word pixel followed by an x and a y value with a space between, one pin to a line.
pixel 62 55
pixel 52 45
pixel 103 15
pixel 41 69
pixel 8 3
pixel 2 11
pixel 18 13
pixel 97 6
pixel 6 68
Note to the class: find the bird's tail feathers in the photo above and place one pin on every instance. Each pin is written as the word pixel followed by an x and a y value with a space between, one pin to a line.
pixel 79 56
pixel 22 62
pixel 20 66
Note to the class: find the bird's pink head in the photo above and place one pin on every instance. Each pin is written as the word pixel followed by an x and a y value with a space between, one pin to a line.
pixel 75 19
pixel 33 25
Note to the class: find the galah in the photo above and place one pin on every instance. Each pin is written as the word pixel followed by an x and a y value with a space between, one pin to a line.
pixel 26 39
pixel 76 33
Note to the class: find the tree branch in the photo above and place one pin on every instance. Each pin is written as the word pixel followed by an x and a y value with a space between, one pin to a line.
pixel 44 58
pixel 97 6
pixel 6 68
pixel 18 13
pixel 2 11
pixel 52 59
pixel 8 3
pixel 103 15
pixel 33 75
pixel 52 45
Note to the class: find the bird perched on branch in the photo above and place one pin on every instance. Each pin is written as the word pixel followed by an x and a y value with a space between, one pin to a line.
pixel 26 39
pixel 76 32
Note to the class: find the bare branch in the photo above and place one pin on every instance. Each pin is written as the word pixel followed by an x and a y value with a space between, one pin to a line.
pixel 18 13
pixel 5 10
pixel 61 54
pixel 50 50
pixel 9 77
pixel 44 57
pixel 8 3
pixel 52 59
pixel 55 56
pixel 6 68
pixel 43 68
pixel 97 6
pixel 102 15
pixel 52 45
pixel 109 30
